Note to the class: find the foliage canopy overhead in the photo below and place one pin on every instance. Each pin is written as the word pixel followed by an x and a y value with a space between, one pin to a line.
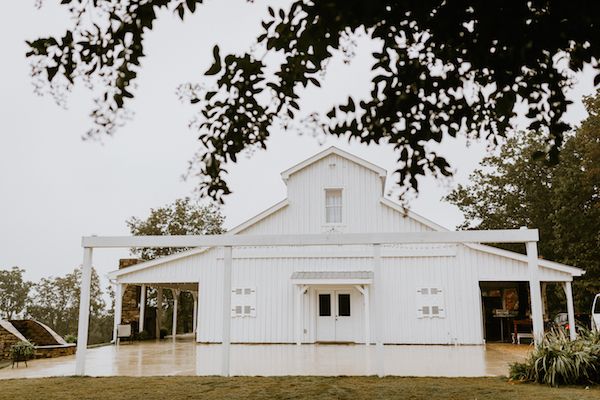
pixel 443 68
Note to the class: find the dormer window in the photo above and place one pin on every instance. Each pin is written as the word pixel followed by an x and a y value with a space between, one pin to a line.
pixel 333 206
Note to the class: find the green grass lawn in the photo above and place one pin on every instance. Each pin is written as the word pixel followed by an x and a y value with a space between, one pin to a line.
pixel 284 388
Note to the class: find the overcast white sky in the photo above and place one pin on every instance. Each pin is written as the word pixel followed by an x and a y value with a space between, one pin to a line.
pixel 55 188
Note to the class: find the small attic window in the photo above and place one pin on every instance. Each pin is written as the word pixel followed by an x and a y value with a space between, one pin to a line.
pixel 333 206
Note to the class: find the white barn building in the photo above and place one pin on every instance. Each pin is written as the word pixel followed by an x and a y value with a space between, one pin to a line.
pixel 435 293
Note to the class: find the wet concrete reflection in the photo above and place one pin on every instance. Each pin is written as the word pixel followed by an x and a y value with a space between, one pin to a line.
pixel 184 357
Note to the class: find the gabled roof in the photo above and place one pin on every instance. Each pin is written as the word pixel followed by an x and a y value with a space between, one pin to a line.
pixel 147 264
pixel 285 175
pixel 259 217
pixel 386 202
pixel 485 248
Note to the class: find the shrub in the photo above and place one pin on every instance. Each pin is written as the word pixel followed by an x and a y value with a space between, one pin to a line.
pixel 143 335
pixel 557 360
pixel 70 338
pixel 22 351
pixel 163 333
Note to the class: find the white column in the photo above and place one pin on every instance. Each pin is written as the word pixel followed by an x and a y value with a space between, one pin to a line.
pixel 299 327
pixel 227 262
pixel 195 316
pixel 84 311
pixel 118 311
pixel 159 304
pixel 175 300
pixel 142 307
pixel 367 305
pixel 570 310
pixel 535 291
pixel 378 300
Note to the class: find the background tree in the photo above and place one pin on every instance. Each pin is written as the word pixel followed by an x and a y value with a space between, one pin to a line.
pixel 512 190
pixel 13 292
pixel 442 68
pixel 575 204
pixel 182 217
pixel 55 302
pixel 508 191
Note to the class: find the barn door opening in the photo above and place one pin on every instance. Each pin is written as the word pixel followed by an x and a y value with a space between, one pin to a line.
pixel 506 308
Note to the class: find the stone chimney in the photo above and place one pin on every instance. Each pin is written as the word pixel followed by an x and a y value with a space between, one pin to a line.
pixel 130 313
pixel 128 262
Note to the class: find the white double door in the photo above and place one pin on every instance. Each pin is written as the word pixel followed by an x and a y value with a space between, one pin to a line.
pixel 337 315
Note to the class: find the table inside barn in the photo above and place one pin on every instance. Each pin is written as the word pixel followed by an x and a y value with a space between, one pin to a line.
pixel 505 318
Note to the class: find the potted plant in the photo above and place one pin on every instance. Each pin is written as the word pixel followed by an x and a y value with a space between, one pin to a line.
pixel 163 333
pixel 70 338
pixel 143 335
pixel 21 352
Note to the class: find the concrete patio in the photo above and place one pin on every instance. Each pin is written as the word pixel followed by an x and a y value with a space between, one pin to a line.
pixel 184 357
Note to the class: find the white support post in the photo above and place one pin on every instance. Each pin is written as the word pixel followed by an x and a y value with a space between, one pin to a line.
pixel 535 291
pixel 299 327
pixel 378 294
pixel 195 316
pixel 227 263
pixel 367 305
pixel 159 304
pixel 364 290
pixel 570 310
pixel 118 312
pixel 84 311
pixel 142 307
pixel 175 301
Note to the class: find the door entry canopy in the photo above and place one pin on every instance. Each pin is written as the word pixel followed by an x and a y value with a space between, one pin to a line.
pixel 332 277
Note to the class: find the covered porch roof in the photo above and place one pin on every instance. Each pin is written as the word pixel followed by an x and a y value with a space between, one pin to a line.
pixel 332 277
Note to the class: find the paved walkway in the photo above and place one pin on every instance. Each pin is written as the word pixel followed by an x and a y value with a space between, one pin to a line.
pixel 184 357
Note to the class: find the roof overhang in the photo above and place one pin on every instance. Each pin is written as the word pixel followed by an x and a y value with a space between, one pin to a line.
pixel 285 175
pixel 573 271
pixel 332 277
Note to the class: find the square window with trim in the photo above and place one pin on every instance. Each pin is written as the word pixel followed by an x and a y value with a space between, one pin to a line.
pixel 333 206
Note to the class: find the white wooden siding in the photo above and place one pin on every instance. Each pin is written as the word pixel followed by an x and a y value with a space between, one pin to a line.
pixel 362 210
pixel 274 321
pixel 402 276
pixel 492 267
pixel 182 270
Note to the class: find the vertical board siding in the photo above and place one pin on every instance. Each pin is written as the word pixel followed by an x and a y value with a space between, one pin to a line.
pixel 183 270
pixel 275 297
pixel 362 209
pixel 403 276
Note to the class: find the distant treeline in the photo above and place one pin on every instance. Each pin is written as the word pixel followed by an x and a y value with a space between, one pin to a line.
pixel 54 301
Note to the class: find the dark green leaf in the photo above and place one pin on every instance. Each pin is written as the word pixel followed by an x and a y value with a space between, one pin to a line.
pixel 216 67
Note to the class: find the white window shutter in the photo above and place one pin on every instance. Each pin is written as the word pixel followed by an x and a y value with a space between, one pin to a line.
pixel 421 302
pixel 243 302
pixel 430 302
pixel 437 303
